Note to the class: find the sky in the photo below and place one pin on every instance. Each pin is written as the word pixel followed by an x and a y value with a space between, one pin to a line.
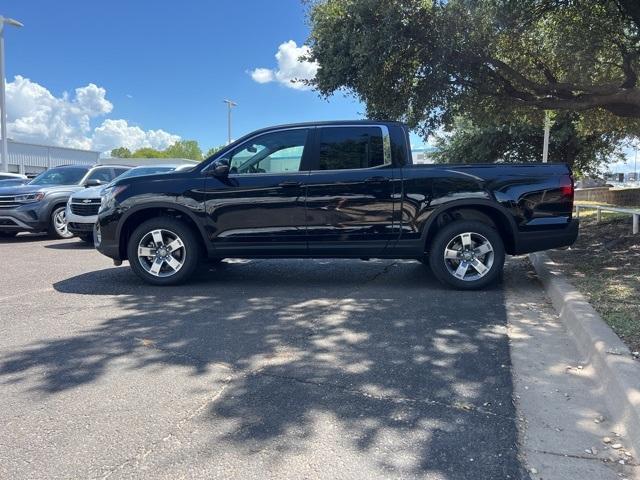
pixel 98 75
pixel 141 73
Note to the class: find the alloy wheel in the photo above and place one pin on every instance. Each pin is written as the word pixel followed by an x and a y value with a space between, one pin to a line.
pixel 161 253
pixel 60 224
pixel 469 256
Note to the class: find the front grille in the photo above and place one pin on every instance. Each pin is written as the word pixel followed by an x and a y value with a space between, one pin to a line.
pixel 86 209
pixel 83 227
pixel 8 222
pixel 8 201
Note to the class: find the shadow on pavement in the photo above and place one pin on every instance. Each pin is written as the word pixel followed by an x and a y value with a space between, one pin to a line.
pixel 25 237
pixel 71 244
pixel 398 369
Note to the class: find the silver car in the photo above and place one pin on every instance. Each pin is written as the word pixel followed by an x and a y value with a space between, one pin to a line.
pixel 82 208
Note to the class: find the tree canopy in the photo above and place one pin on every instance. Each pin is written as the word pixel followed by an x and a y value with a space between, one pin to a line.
pixel 428 62
pixel 521 141
pixel 181 149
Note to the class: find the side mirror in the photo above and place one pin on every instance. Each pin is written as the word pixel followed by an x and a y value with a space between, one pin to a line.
pixel 220 167
pixel 93 182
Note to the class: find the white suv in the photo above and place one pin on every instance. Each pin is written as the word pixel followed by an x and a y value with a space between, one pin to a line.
pixel 83 205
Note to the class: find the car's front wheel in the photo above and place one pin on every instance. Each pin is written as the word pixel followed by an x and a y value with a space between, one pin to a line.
pixel 467 254
pixel 163 251
pixel 58 224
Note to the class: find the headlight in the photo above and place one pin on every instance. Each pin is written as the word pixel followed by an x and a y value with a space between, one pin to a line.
pixel 30 197
pixel 108 196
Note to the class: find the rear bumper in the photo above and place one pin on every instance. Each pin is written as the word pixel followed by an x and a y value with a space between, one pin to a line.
pixel 535 241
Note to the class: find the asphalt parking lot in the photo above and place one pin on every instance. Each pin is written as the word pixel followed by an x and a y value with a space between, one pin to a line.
pixel 258 369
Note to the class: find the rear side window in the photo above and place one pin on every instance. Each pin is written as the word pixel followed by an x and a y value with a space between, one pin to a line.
pixel 350 147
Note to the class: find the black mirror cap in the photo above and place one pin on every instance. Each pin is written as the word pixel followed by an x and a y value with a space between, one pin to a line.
pixel 220 167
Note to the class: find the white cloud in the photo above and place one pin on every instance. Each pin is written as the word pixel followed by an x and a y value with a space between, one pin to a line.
pixel 290 70
pixel 35 115
pixel 263 75
pixel 116 133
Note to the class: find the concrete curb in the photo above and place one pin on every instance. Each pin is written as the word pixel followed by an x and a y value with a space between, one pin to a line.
pixel 612 361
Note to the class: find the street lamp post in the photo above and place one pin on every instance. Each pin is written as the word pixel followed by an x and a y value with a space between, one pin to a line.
pixel 230 105
pixel 3 115
pixel 547 129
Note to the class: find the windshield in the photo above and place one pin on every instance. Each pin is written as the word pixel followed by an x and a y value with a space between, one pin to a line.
pixel 60 176
pixel 139 171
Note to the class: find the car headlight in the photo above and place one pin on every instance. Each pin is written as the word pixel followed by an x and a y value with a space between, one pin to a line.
pixel 107 199
pixel 30 197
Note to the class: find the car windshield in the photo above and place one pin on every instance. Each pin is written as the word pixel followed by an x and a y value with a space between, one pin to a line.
pixel 138 171
pixel 60 176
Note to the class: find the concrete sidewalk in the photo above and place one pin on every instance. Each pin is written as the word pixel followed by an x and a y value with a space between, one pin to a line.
pixel 562 411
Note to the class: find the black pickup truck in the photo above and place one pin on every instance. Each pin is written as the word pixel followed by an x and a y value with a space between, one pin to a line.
pixel 336 190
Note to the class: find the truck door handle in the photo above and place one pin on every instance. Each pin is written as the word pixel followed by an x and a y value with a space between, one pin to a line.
pixel 376 180
pixel 289 184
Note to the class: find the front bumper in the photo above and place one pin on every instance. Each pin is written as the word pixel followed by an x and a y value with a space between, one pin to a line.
pixel 30 217
pixel 105 234
pixel 79 224
pixel 535 241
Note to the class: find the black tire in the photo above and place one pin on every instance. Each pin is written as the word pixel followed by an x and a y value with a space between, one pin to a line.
pixel 8 234
pixel 472 279
pixel 188 254
pixel 52 230
pixel 87 238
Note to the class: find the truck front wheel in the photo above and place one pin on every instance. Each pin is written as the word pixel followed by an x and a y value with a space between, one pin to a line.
pixel 467 254
pixel 163 251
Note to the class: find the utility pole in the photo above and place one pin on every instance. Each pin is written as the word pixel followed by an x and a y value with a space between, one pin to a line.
pixel 230 105
pixel 3 106
pixel 547 129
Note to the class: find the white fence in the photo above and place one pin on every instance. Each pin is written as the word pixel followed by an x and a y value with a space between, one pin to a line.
pixel 602 208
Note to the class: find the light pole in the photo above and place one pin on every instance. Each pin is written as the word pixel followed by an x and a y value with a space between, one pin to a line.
pixel 230 105
pixel 3 115
pixel 547 129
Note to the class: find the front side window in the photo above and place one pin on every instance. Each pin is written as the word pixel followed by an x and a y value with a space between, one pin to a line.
pixel 350 147
pixel 275 152
pixel 102 174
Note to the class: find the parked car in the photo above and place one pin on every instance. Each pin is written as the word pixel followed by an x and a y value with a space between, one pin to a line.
pixel 12 179
pixel 336 189
pixel 82 207
pixel 12 176
pixel 39 206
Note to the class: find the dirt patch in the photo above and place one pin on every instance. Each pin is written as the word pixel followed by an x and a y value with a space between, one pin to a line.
pixel 604 264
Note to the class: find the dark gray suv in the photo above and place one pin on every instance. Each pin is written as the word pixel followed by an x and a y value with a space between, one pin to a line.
pixel 39 206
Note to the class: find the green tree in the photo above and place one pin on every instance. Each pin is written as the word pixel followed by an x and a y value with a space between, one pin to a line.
pixel 148 153
pixel 121 152
pixel 521 141
pixel 184 149
pixel 213 150
pixel 429 61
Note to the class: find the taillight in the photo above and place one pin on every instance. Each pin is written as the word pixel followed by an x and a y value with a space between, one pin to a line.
pixel 566 186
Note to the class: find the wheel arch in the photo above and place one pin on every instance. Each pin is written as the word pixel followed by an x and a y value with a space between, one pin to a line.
pixel 135 216
pixel 482 210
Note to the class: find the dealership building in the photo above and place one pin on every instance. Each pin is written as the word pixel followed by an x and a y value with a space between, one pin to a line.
pixel 31 158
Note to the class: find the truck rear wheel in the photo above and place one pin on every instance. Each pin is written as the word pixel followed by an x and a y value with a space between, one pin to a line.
pixel 467 254
pixel 163 251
